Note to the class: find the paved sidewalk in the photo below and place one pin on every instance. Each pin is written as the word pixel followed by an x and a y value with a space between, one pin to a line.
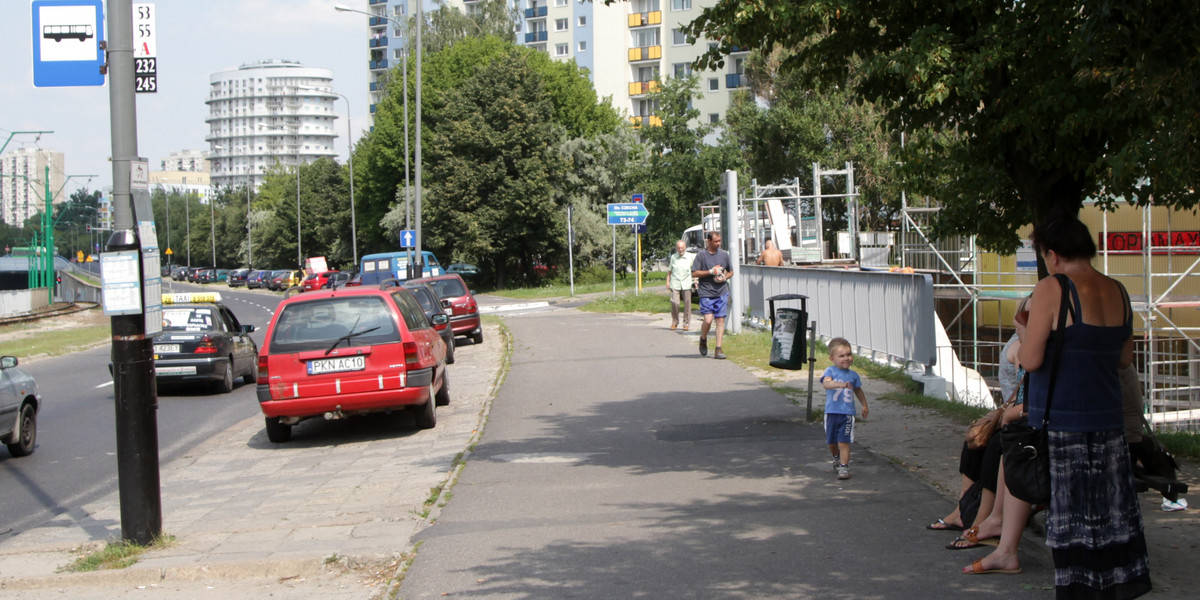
pixel 327 514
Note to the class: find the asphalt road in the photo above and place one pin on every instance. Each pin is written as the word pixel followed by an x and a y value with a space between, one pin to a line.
pixel 75 460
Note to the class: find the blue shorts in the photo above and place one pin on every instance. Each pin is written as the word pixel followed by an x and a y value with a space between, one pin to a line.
pixel 717 307
pixel 839 429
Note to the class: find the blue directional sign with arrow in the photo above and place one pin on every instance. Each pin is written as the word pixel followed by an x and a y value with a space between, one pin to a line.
pixel 629 213
pixel 408 238
pixel 66 42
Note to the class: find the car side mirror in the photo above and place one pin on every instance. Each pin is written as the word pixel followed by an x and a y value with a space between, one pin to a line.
pixel 439 320
pixel 8 362
pixel 247 328
pixel 446 304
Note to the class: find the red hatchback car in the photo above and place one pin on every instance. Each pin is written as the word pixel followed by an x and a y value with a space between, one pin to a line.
pixel 346 352
pixel 316 281
pixel 465 320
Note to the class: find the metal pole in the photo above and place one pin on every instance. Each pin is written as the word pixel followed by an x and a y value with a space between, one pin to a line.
pixel 614 260
pixel 299 255
pixel 350 160
pixel 737 299
pixel 212 226
pixel 134 391
pixel 570 251
pixel 167 201
pixel 417 210
pixel 187 222
pixel 249 237
pixel 48 238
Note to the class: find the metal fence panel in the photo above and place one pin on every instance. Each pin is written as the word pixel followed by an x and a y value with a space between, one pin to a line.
pixel 889 314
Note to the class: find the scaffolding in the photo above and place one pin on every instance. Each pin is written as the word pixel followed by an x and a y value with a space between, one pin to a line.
pixel 1153 251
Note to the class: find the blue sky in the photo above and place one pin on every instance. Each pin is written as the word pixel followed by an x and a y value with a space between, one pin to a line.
pixel 195 38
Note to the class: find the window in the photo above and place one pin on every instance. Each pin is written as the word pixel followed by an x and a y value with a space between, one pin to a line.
pixel 643 38
pixel 560 2
pixel 714 118
pixel 582 22
pixel 713 84
pixel 678 38
pixel 560 49
pixel 582 47
pixel 681 4
pixel 681 70
pixel 560 24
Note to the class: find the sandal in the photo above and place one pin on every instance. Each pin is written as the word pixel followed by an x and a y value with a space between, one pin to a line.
pixel 942 525
pixel 971 537
pixel 976 568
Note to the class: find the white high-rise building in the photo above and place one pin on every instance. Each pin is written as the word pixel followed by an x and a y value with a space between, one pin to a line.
pixel 268 112
pixel 23 186
pixel 191 161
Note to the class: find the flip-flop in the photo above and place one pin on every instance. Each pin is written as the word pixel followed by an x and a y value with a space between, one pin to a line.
pixel 940 525
pixel 976 568
pixel 969 544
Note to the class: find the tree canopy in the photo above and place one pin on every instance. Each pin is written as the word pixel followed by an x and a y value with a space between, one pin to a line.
pixel 1026 107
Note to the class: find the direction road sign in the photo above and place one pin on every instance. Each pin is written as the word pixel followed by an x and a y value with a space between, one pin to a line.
pixel 631 213
pixel 408 238
pixel 66 42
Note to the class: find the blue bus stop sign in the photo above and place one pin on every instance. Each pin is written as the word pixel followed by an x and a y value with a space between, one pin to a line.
pixel 66 42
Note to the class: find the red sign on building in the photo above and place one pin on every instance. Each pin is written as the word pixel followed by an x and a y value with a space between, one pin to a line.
pixel 1132 242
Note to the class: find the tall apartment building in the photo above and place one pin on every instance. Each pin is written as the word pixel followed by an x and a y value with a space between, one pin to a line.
pixel 268 112
pixel 23 185
pixel 625 47
pixel 192 161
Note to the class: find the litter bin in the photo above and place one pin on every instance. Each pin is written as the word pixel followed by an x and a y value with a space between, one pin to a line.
pixel 788 326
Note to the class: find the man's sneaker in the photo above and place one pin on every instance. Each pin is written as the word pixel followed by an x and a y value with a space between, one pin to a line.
pixel 719 355
pixel 1169 506
pixel 703 346
pixel 837 461
pixel 843 472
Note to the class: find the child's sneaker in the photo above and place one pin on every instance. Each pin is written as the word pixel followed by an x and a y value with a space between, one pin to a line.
pixel 843 472
pixel 1169 506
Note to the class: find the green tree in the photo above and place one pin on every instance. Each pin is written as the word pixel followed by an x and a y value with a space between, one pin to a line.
pixel 448 25
pixel 787 122
pixel 600 170
pixel 1024 107
pixel 324 214
pixel 492 168
pixel 683 171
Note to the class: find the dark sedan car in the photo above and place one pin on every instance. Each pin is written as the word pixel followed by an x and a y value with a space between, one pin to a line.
pixel 202 341
pixel 237 277
pixel 434 306
pixel 257 279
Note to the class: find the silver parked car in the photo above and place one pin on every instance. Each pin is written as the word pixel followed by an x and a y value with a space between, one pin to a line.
pixel 19 404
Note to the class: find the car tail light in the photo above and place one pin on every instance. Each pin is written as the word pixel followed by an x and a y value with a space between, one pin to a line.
pixel 410 354
pixel 206 346
pixel 262 368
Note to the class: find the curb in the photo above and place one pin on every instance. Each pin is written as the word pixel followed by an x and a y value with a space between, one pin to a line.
pixel 134 576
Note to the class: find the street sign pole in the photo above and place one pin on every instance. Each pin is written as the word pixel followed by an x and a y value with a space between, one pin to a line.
pixel 134 391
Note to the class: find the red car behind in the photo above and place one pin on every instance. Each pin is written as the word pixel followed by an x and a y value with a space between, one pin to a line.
pixel 465 320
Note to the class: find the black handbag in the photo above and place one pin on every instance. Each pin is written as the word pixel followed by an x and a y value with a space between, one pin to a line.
pixel 1025 449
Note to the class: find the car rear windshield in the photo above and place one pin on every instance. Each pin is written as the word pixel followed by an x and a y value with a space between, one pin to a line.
pixel 448 288
pixel 188 319
pixel 317 324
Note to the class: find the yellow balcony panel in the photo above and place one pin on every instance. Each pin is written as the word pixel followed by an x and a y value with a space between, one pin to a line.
pixel 654 18
pixel 655 52
pixel 636 122
pixel 635 54
pixel 635 88
pixel 652 86
pixel 655 121
pixel 635 20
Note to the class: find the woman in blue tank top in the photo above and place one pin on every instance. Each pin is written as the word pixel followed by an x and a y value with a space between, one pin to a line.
pixel 1093 522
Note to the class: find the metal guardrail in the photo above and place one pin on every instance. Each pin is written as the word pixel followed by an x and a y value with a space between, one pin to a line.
pixel 887 315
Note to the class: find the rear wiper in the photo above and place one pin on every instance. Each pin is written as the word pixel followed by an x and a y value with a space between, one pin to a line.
pixel 346 338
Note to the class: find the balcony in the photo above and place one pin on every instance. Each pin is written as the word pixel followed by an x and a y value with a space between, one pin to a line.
pixel 374 2
pixel 376 21
pixel 534 13
pixel 646 121
pixel 638 88
pixel 380 42
pixel 646 18
pixel 645 53
pixel 535 37
pixel 372 109
pixel 374 86
pixel 379 64
pixel 735 80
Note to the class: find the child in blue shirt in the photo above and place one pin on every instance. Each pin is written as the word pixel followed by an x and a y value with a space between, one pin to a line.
pixel 842 386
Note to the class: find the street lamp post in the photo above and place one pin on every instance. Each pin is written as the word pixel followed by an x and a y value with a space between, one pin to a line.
pixel 420 21
pixel 350 162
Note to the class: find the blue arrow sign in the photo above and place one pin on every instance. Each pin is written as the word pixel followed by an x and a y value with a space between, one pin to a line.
pixel 408 238
pixel 631 213
pixel 66 42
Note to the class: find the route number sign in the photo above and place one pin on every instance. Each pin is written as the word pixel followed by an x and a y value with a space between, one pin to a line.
pixel 145 50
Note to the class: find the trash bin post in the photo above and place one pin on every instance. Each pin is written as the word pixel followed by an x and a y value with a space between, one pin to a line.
pixel 787 333
pixel 812 364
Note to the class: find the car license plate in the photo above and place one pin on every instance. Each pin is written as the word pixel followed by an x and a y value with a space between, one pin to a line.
pixel 337 365
pixel 175 370
pixel 166 348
